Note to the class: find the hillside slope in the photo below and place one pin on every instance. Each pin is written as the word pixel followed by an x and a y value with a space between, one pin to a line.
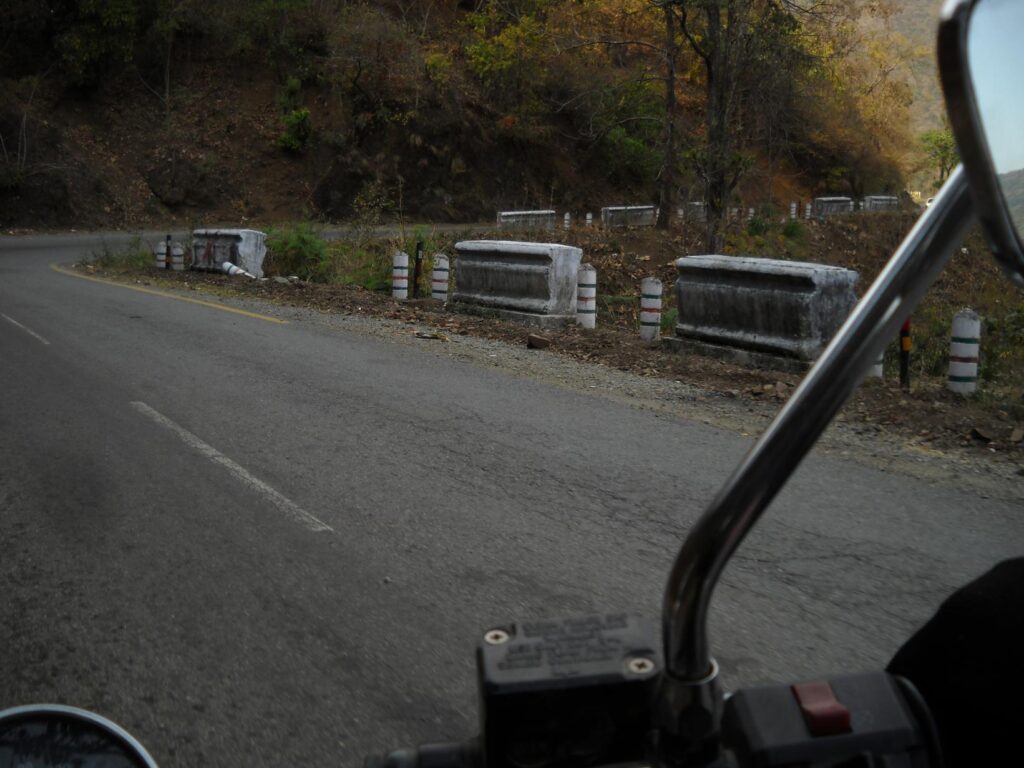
pixel 116 115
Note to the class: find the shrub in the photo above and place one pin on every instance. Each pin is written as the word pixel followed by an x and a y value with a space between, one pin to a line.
pixel 298 129
pixel 669 318
pixel 794 229
pixel 133 256
pixel 297 251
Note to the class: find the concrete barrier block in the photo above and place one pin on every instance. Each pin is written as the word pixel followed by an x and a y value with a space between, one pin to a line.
pixel 245 248
pixel 881 203
pixel 526 219
pixel 697 211
pixel 769 308
pixel 533 283
pixel 827 206
pixel 629 216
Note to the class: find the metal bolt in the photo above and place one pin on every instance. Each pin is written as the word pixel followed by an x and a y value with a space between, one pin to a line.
pixel 496 637
pixel 641 666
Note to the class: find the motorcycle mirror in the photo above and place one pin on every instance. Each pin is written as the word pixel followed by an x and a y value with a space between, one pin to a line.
pixel 53 736
pixel 980 59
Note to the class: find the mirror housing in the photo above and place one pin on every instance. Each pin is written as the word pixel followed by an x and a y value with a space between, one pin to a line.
pixel 968 126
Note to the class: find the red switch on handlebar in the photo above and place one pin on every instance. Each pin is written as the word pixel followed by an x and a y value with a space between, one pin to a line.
pixel 823 713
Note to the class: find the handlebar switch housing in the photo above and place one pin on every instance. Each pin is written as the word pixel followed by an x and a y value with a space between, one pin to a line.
pixel 571 692
pixel 866 718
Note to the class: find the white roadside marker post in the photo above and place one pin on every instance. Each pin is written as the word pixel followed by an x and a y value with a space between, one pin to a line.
pixel 964 348
pixel 650 308
pixel 586 297
pixel 400 276
pixel 439 278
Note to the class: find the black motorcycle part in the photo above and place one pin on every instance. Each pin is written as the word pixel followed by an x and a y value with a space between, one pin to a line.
pixel 854 720
pixel 571 693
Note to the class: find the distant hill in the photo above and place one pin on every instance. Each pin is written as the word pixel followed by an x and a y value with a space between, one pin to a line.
pixel 1013 189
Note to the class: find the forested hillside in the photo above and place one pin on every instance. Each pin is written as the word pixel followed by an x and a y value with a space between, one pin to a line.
pixel 918 21
pixel 121 112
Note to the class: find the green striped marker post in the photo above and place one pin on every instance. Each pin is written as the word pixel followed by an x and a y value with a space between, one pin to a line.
pixel 650 308
pixel 964 348
pixel 439 278
pixel 586 297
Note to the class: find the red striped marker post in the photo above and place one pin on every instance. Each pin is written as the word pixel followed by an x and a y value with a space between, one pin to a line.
pixel 400 276
pixel 650 308
pixel 439 278
pixel 586 297
pixel 963 353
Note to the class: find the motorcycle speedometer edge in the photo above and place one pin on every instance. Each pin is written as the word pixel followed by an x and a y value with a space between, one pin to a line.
pixel 779 451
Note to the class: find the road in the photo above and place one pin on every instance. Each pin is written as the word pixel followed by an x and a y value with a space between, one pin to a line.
pixel 270 539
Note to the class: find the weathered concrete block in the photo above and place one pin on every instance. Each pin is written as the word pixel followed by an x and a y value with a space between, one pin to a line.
pixel 529 282
pixel 881 203
pixel 245 248
pixel 826 206
pixel 696 212
pixel 629 216
pixel 526 219
pixel 783 309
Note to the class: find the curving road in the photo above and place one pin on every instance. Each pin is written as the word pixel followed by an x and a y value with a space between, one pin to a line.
pixel 261 538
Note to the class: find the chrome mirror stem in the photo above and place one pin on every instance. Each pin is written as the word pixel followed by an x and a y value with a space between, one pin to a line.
pixel 778 452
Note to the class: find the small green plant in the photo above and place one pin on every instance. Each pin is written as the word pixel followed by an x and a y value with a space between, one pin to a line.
pixel 669 319
pixel 439 68
pixel 297 251
pixel 298 130
pixel 794 229
pixel 288 98
pixel 134 256
pixel 757 227
pixel 354 264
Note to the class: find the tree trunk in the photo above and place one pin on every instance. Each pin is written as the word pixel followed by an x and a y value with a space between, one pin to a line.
pixel 716 193
pixel 667 187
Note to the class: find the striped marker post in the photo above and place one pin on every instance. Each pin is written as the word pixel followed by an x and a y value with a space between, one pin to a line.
pixel 161 255
pixel 567 220
pixel 750 214
pixel 586 297
pixel 400 276
pixel 650 308
pixel 807 211
pixel 963 353
pixel 793 211
pixel 590 219
pixel 878 368
pixel 439 278
pixel 177 260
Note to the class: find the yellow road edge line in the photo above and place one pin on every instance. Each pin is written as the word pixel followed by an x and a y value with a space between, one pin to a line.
pixel 165 295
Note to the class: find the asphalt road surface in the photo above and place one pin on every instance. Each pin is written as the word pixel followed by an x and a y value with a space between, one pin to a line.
pixel 265 543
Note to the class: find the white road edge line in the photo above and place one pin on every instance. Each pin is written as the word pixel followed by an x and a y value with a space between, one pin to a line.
pixel 284 504
pixel 29 331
